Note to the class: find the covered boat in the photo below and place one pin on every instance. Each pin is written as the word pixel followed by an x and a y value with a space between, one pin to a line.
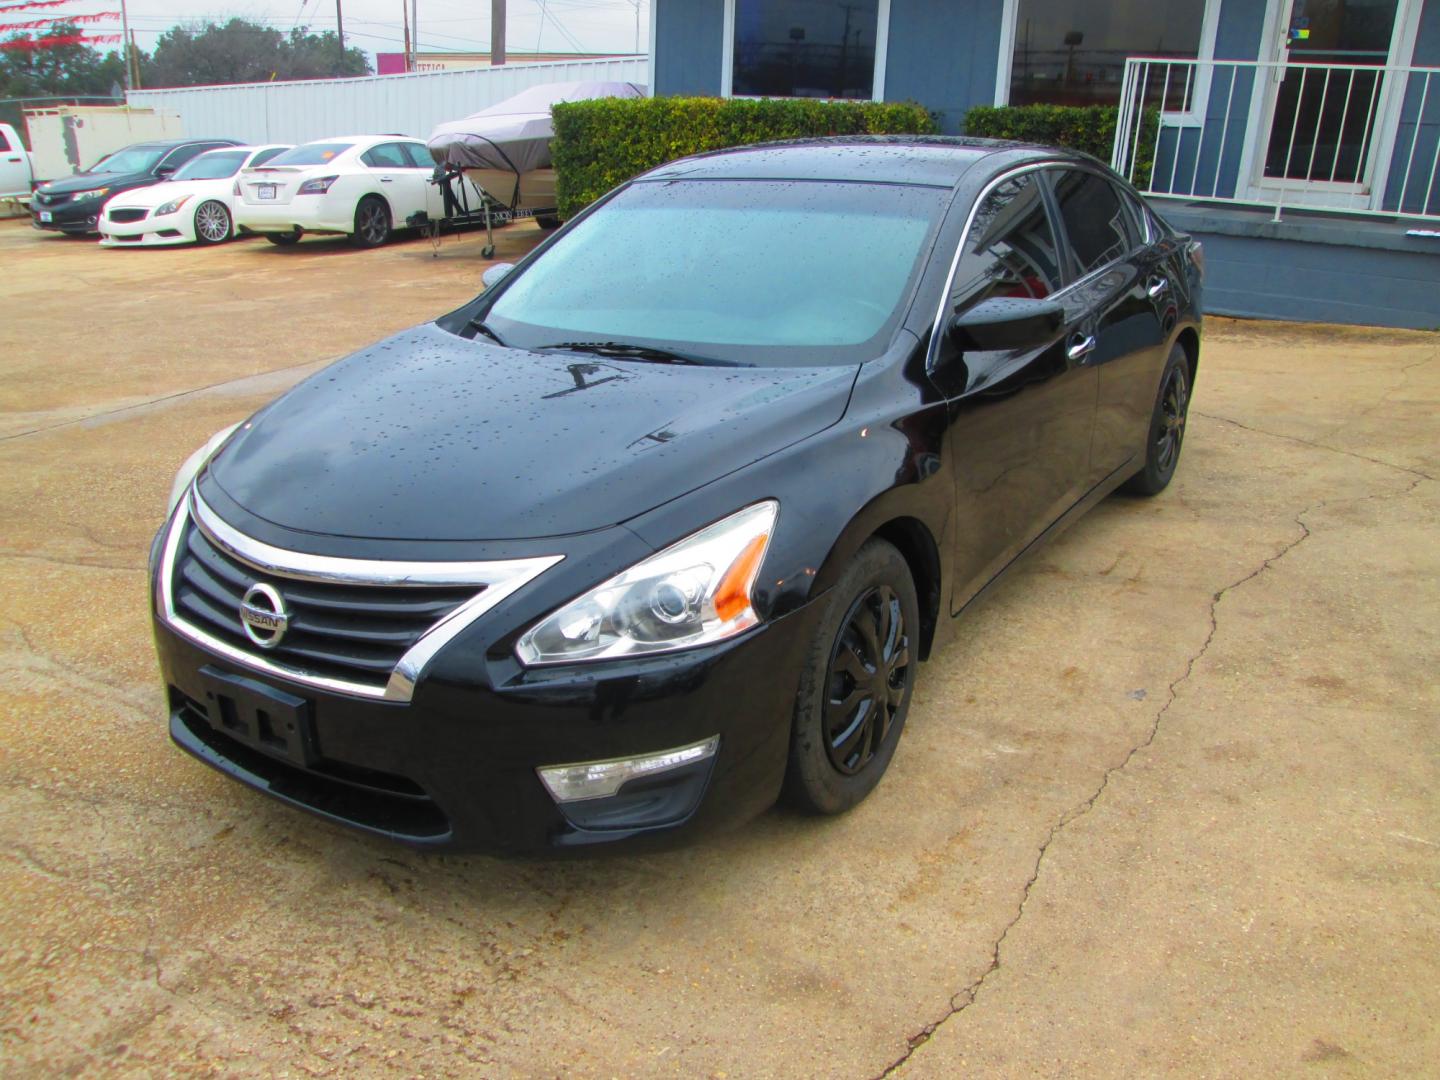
pixel 505 149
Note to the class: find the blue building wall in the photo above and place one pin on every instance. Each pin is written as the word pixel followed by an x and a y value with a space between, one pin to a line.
pixel 689 39
pixel 944 55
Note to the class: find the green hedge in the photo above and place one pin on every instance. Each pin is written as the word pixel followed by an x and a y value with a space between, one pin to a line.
pixel 599 144
pixel 1090 128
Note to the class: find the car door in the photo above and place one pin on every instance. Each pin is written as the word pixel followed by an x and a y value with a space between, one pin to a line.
pixel 14 172
pixel 1125 284
pixel 1021 419
pixel 402 183
pixel 424 166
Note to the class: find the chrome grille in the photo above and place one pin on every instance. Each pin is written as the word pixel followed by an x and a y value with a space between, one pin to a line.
pixel 342 631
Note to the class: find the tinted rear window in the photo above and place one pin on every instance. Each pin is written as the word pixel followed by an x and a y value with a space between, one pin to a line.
pixel 311 154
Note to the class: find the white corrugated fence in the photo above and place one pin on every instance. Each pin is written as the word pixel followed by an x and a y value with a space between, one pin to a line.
pixel 295 112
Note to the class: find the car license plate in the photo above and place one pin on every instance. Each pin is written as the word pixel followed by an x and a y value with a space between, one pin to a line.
pixel 265 191
pixel 46 215
pixel 260 716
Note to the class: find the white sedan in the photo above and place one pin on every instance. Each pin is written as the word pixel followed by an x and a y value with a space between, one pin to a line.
pixel 365 186
pixel 196 205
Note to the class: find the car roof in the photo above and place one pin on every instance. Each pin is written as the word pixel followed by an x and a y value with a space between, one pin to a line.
pixel 365 139
pixel 937 160
pixel 170 144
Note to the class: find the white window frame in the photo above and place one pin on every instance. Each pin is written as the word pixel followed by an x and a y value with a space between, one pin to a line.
pixel 1200 93
pixel 882 47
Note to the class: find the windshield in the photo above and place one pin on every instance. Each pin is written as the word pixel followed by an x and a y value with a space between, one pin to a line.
pixel 315 153
pixel 216 165
pixel 131 159
pixel 742 271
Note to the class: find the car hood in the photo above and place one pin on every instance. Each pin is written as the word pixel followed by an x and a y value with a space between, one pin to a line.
pixel 161 193
pixel 429 436
pixel 86 181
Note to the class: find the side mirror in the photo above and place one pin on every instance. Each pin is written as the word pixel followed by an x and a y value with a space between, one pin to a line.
pixel 1007 323
pixel 164 171
pixel 496 274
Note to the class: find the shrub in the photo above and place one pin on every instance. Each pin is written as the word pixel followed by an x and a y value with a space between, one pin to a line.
pixel 601 143
pixel 1090 128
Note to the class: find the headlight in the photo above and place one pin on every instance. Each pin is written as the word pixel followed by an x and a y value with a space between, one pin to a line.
pixel 82 196
pixel 319 186
pixel 171 206
pixel 692 593
pixel 193 464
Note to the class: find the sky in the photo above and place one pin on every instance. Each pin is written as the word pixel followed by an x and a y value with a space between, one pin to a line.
pixel 375 25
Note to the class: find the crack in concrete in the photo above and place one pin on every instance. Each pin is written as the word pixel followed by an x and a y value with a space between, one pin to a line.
pixel 961 1001
pixel 1315 445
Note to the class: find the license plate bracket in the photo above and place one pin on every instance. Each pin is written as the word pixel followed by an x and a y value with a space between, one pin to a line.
pixel 47 216
pixel 260 716
pixel 265 191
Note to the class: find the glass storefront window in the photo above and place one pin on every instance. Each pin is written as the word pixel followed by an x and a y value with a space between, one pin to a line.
pixel 1072 52
pixel 805 48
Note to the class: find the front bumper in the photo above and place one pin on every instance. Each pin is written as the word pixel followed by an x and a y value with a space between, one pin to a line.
pixel 455 767
pixel 148 232
pixel 80 218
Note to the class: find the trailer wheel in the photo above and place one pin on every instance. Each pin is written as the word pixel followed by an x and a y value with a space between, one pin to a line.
pixel 487 251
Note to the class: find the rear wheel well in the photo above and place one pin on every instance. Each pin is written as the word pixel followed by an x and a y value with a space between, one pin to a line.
pixel 913 540
pixel 1189 340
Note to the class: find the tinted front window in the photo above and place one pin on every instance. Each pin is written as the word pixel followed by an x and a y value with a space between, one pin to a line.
pixel 181 155
pixel 311 154
pixel 130 160
pixel 805 48
pixel 4 142
pixel 1010 250
pixel 746 271
pixel 418 155
pixel 215 165
pixel 1099 228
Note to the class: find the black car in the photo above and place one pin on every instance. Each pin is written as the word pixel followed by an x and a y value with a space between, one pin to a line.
pixel 662 523
pixel 73 204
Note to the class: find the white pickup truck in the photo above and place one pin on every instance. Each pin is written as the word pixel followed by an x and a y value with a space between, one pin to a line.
pixel 15 174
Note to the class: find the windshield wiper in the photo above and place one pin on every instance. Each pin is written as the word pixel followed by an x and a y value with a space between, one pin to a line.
pixel 479 324
pixel 624 349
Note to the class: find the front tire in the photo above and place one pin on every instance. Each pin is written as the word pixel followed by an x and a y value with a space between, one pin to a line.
pixel 212 223
pixel 372 223
pixel 1166 434
pixel 283 239
pixel 856 686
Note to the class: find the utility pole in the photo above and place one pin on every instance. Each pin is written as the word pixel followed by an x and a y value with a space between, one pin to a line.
pixel 405 18
pixel 497 32
pixel 637 25
pixel 340 28
pixel 125 39
pixel 415 32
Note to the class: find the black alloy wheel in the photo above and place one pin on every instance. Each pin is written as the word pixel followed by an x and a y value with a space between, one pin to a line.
pixel 372 223
pixel 866 679
pixel 856 684
pixel 212 222
pixel 1166 436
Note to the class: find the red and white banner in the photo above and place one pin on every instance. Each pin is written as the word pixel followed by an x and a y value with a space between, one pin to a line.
pixel 45 24
pixel 55 41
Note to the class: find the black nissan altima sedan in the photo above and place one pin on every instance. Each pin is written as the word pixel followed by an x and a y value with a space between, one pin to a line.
pixel 660 526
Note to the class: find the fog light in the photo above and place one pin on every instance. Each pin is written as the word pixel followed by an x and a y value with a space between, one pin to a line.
pixel 598 779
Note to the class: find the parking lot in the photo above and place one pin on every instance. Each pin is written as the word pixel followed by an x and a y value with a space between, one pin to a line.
pixel 1170 803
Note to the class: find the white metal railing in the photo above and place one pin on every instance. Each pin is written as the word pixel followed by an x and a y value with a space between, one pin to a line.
pixel 1348 138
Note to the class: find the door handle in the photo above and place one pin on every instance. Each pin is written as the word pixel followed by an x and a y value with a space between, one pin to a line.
pixel 13 160
pixel 1081 345
pixel 1157 288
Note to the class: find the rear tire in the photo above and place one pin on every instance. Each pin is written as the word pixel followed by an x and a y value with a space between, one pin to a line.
pixel 548 221
pixel 856 685
pixel 283 239
pixel 212 223
pixel 1166 434
pixel 372 222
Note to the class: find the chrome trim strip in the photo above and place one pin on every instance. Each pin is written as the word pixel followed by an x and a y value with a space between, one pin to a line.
pixel 500 578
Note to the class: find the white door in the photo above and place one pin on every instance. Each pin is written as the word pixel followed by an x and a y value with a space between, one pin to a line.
pixel 402 183
pixel 1328 115
pixel 14 172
